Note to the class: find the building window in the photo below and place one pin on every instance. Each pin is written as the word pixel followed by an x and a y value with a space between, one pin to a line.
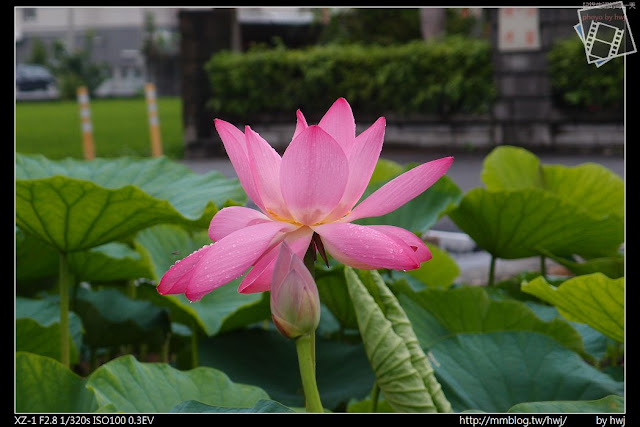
pixel 29 14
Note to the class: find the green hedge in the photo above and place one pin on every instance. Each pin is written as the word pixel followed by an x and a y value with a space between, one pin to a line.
pixel 582 86
pixel 453 75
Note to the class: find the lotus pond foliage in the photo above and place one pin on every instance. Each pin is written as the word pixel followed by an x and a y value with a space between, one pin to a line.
pixel 94 239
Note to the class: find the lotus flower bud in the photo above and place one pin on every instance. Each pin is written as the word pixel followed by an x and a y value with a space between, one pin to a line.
pixel 295 304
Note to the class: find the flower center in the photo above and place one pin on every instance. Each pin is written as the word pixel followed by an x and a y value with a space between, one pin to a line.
pixel 277 217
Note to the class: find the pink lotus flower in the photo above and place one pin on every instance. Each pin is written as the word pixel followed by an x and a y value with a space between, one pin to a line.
pixel 295 303
pixel 312 188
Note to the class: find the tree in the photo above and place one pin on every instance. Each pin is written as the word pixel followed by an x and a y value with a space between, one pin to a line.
pixel 433 22
pixel 383 26
pixel 39 54
pixel 74 69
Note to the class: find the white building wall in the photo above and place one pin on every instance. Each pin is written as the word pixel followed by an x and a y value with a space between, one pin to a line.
pixel 118 33
pixel 47 19
pixel 118 37
pixel 275 15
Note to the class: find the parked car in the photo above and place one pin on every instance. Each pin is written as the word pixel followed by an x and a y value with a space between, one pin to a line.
pixel 121 87
pixel 34 82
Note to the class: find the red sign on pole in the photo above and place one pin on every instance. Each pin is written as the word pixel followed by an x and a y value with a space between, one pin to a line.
pixel 518 29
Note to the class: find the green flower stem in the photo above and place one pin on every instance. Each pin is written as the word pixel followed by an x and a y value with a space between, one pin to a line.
pixel 543 267
pixel 304 347
pixel 164 352
pixel 73 298
pixel 492 270
pixel 310 262
pixel 313 349
pixel 375 392
pixel 132 290
pixel 64 279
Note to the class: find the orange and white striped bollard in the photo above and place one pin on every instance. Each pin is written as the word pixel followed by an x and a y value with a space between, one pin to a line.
pixel 154 123
pixel 85 118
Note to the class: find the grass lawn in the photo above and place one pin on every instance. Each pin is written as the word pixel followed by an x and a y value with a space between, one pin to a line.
pixel 120 128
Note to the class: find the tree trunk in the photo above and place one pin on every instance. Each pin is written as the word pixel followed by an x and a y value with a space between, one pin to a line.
pixel 432 22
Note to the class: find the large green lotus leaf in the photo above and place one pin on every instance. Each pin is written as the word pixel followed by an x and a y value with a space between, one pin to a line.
pixel 329 325
pixel 611 266
pixel 332 288
pixel 106 263
pixel 46 385
pixel 71 215
pixel 159 177
pixel 617 372
pixel 111 318
pixel 364 406
pixel 421 213
pixel 606 404
pixel 593 299
pixel 589 186
pixel 261 406
pixel 267 359
pixel 509 288
pixel 34 258
pixel 402 370
pixel 523 223
pixel 543 208
pixel 75 205
pixel 222 309
pixel 427 328
pixel 131 386
pixel 384 171
pixel 469 309
pixel 402 326
pixel 439 272
pixel 595 343
pixel 494 371
pixel 109 263
pixel 335 299
pixel 511 168
pixel 249 313
pixel 38 328
pixel 165 244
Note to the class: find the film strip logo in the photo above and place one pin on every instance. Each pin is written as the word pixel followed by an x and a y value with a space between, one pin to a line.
pixel 603 41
